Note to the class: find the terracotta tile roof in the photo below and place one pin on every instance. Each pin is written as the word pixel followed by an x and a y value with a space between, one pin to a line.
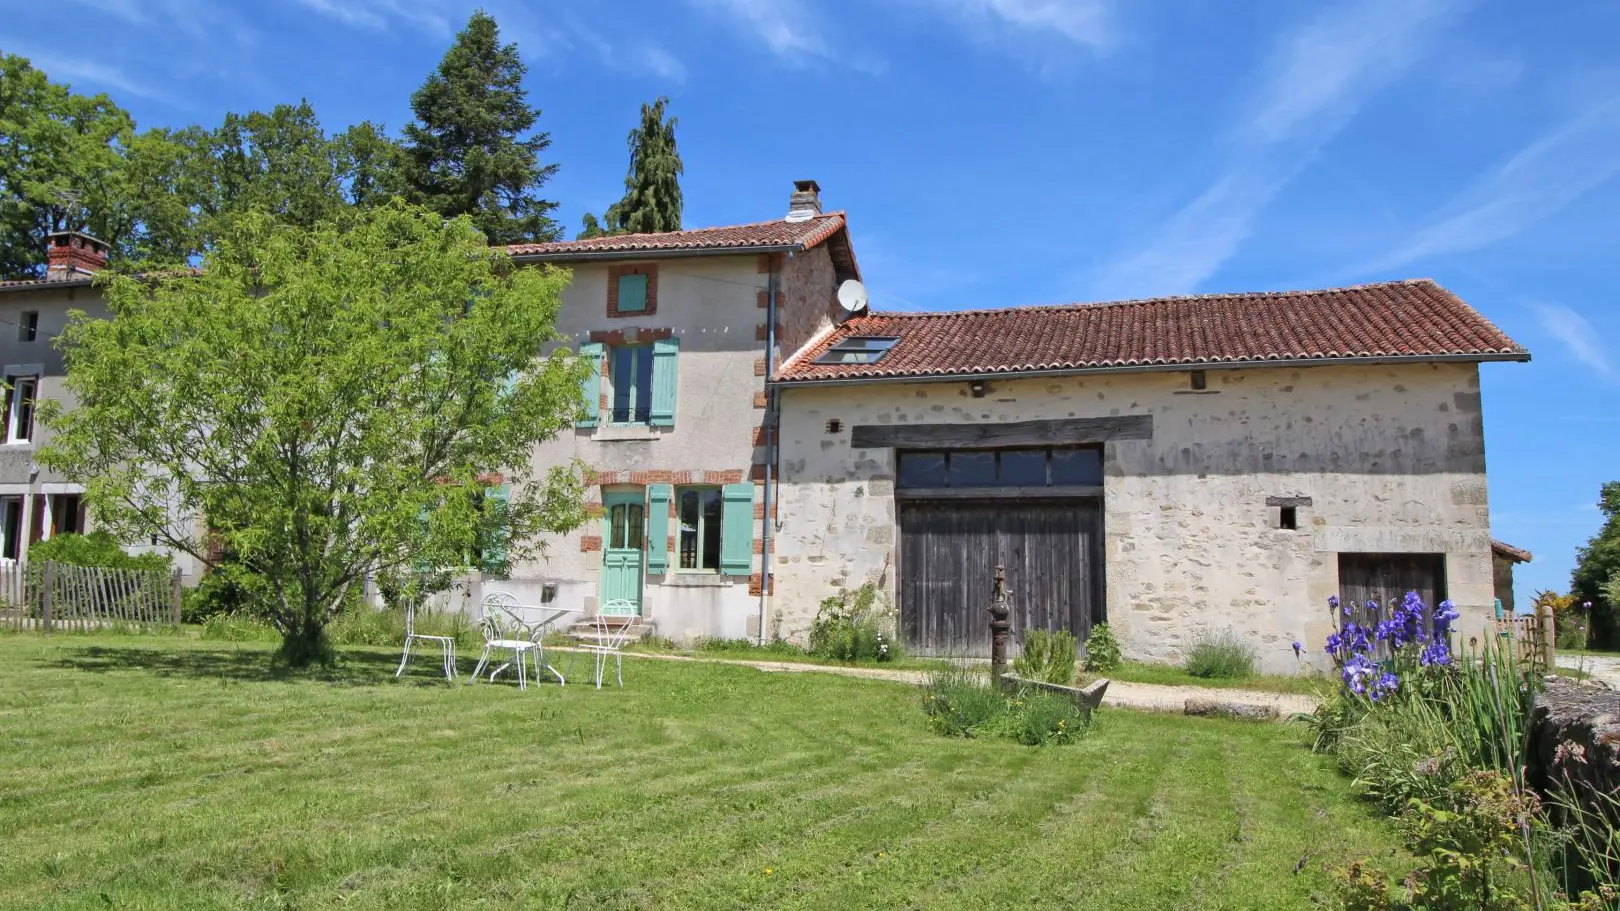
pixel 762 235
pixel 1404 319
pixel 50 281
pixel 1516 554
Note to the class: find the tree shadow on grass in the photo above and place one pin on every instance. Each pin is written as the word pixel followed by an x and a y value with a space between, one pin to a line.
pixel 354 667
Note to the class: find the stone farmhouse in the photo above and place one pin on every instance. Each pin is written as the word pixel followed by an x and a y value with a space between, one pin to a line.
pixel 1173 467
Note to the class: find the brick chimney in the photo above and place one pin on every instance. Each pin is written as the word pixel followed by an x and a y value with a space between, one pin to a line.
pixel 70 254
pixel 805 203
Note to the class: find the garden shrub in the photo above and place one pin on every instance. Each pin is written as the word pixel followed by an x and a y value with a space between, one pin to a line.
pixel 855 626
pixel 97 548
pixel 228 588
pixel 959 703
pixel 1102 650
pixel 1221 656
pixel 1437 738
pixel 1047 656
pixel 1475 850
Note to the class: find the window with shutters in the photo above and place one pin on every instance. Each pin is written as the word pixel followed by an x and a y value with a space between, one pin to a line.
pixel 632 290
pixel 631 375
pixel 698 538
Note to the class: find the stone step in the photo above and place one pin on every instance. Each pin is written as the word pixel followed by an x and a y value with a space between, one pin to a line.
pixel 587 632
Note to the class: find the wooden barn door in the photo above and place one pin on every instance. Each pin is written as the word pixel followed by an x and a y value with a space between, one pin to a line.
pixel 949 550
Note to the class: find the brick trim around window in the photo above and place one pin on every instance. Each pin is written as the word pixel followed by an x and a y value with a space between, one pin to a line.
pixel 648 269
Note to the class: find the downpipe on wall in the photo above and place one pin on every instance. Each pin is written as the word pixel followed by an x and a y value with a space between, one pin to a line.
pixel 770 450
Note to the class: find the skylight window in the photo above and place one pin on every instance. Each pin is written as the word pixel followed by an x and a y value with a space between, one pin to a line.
pixel 858 350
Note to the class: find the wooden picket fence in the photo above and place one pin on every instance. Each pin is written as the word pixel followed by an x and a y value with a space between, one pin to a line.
pixel 49 596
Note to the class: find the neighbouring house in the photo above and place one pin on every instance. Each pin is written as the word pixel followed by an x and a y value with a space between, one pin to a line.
pixel 1503 559
pixel 1177 468
pixel 36 503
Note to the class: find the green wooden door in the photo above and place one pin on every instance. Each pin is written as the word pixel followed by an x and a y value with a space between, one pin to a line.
pixel 623 551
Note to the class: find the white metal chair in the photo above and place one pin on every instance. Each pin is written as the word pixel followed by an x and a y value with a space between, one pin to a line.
pixel 613 624
pixel 498 621
pixel 447 645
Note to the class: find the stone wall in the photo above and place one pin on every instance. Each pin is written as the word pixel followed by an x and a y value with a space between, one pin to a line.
pixel 1392 457
pixel 1575 743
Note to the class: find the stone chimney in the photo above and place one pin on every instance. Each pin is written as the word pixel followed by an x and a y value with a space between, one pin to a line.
pixel 70 254
pixel 805 203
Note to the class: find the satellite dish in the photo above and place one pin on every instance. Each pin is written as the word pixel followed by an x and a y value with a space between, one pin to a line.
pixel 852 296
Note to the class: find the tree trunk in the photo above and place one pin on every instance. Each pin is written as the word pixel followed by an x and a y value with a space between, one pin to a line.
pixel 305 644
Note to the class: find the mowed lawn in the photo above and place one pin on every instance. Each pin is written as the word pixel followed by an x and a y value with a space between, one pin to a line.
pixel 167 773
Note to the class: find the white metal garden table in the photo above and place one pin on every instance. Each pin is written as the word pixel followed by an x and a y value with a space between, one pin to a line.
pixel 535 630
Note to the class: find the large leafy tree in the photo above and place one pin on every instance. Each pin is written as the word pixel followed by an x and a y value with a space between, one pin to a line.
pixel 1596 566
pixel 471 149
pixel 652 188
pixel 185 185
pixel 326 404
pixel 60 156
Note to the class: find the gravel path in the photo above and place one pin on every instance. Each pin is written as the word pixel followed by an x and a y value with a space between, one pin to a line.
pixel 1601 667
pixel 1152 697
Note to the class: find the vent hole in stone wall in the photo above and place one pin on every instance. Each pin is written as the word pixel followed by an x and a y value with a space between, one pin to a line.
pixel 835 426
pixel 1288 517
pixel 1200 382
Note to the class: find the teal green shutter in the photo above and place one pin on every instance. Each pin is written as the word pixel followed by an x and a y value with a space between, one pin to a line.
pixel 665 352
pixel 495 500
pixel 658 497
pixel 737 529
pixel 591 390
pixel 632 293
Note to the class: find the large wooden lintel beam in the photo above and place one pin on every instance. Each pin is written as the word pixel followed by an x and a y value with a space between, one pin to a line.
pixel 1056 432
pixel 1288 501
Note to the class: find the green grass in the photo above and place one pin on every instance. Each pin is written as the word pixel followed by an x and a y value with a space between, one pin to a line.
pixel 1168 675
pixel 170 773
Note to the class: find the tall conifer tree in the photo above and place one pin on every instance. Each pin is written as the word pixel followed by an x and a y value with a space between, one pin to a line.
pixel 471 150
pixel 652 187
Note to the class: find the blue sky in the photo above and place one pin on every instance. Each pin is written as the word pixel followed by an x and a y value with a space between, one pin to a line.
pixel 997 152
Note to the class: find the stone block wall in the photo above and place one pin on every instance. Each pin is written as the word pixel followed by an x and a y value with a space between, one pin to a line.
pixel 1392 457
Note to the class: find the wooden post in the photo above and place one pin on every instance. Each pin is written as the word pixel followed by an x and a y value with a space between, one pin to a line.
pixel 999 626
pixel 46 587
pixel 1549 636
pixel 174 587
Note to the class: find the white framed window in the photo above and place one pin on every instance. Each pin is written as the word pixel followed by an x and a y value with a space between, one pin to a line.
pixel 20 399
pixel 699 512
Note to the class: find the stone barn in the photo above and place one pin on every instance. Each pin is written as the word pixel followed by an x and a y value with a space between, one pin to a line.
pixel 1176 468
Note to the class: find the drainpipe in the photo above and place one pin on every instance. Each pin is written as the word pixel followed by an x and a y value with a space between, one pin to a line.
pixel 770 451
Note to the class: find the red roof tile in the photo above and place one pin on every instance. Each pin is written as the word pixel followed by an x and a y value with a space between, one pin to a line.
pixel 1516 554
pixel 763 235
pixel 1414 319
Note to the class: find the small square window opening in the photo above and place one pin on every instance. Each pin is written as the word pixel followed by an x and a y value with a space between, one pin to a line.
pixel 1288 517
pixel 1199 380
pixel 834 425
pixel 858 350
pixel 28 326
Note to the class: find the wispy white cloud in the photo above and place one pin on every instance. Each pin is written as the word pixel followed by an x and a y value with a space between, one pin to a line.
pixel 435 17
pixel 1315 80
pixel 1541 178
pixel 1091 24
pixel 1579 336
pixel 85 73
pixel 785 26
